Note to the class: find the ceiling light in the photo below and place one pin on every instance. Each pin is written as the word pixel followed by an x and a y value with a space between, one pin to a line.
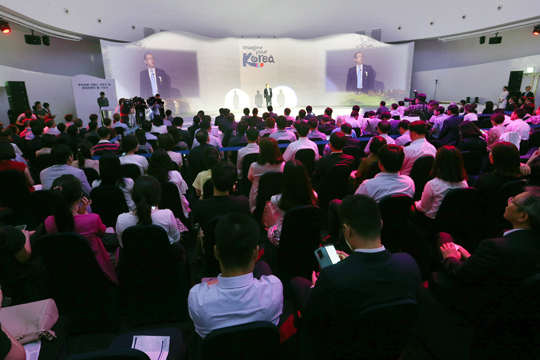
pixel 530 70
pixel 4 27
pixel 536 30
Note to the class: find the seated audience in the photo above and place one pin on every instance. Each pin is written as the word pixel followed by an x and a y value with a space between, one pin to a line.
pixel 168 118
pixel 336 157
pixel 51 128
pixel 326 127
pixel 419 146
pixel 108 124
pixel 488 110
pixel 240 137
pixel 147 196
pixel 63 136
pixel 394 111
pixel 518 125
pixel 84 157
pixel 388 181
pixel 104 144
pixel 303 142
pixel 370 127
pixel 449 134
pixel 296 191
pixel 252 136
pixel 370 276
pixel 448 173
pixel 237 298
pixel 178 143
pixel 68 206
pixel 144 145
pixel 212 139
pixel 158 126
pixel 269 124
pixel 438 121
pixel 117 122
pixel 282 133
pixel 314 134
pixel 471 138
pixel 470 114
pixel 147 127
pixel 46 143
pixel 7 154
pixel 211 158
pixel 110 174
pixel 130 145
pixel 270 160
pixel 363 171
pixel 62 157
pixel 92 129
pixel 246 115
pixel 166 142
pixel 383 127
pixel 186 137
pixel 496 131
pixel 195 126
pixel 405 138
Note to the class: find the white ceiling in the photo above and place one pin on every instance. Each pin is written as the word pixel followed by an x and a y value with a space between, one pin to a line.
pixel 279 18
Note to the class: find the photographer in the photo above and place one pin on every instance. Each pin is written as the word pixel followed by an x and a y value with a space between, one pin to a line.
pixel 419 108
pixel 126 108
pixel 156 106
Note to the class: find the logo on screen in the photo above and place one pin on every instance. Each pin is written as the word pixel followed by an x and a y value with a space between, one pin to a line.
pixel 258 60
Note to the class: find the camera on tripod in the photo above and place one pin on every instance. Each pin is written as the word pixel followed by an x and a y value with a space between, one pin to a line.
pixel 413 99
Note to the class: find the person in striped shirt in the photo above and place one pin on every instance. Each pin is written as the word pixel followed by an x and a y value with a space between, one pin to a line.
pixel 104 145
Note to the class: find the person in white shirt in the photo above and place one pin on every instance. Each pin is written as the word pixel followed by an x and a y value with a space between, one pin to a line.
pixel 236 297
pixel 287 114
pixel 370 125
pixel 518 125
pixel 252 136
pixel 130 145
pixel 437 120
pixel 118 123
pixel 469 113
pixel 388 181
pixel 302 143
pixel 354 120
pixel 449 174
pixel 403 128
pixel 158 126
pixel 394 111
pixel 51 128
pixel 503 97
pixel 401 108
pixel 212 139
pixel 282 133
pixel 383 128
pixel 418 147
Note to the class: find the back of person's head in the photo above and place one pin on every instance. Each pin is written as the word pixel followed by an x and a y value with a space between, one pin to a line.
pixel 158 120
pixel 178 121
pixel 356 108
pixel 497 118
pixel 371 113
pixel 78 122
pixel 196 120
pixel 499 111
pixel 60 154
pixel 84 152
pixel 230 117
pixel 530 204
pixel 377 142
pixel 468 129
pixel 346 129
pixel 338 140
pixel 202 136
pixel 146 193
pixel 469 108
pixel 93 125
pixel 386 115
pixel 383 103
pixel 242 127
pixel 110 170
pixel 302 114
pixel 281 122
pixel 489 105
pixel 270 108
pixel 453 109
pixel 140 134
pixel 73 131
pixel 440 109
pixel 175 134
pixel 287 111
pixel 296 187
pixel 205 125
pixel 226 111
pixel 255 111
pixel 37 128
pixel 146 125
pixel 313 123
pixel 246 111
pixel 448 165
pixel 270 122
pixel 236 236
pixel 252 134
pixel 362 215
pixel 61 127
pixel 394 106
pixel 68 118
pixel 7 152
pixel 116 118
pixel 129 143
pixel 302 128
pixel 211 157
pixel 47 141
pixel 404 124
pixel 354 114
pixel 168 112
pixel 506 160
pixel 49 123
pixel 224 176
pixel 159 165
pixel 328 111
pixel 93 117
pixel 520 113
pixel 309 109
pixel 165 142
pixel 391 157
pixel 265 116
pixel 269 152
pixel 401 103
pixel 384 126
pixel 418 127
pixel 421 97
pixel 65 191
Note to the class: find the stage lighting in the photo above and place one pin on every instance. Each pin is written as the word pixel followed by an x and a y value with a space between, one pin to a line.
pixel 482 39
pixel 46 40
pixel 536 30
pixel 4 27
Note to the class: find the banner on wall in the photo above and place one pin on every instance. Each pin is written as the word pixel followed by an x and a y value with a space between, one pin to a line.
pixel 86 90
pixel 195 72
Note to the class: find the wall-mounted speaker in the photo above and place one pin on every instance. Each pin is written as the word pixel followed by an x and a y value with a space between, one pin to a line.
pixel 17 97
pixel 514 82
pixel 32 39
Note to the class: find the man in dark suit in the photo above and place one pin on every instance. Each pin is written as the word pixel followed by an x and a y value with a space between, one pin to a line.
pixel 478 283
pixel 528 93
pixel 153 80
pixel 326 127
pixel 346 129
pixel 361 77
pixel 268 95
pixel 450 130
pixel 255 119
pixel 336 157
pixel 186 136
pixel 370 276
pixel 511 106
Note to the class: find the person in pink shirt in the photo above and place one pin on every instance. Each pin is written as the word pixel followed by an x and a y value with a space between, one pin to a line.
pixel 69 215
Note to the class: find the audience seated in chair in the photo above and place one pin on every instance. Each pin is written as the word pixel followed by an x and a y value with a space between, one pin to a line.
pixel 236 297
pixel 496 131
pixel 471 139
pixel 7 156
pixel 252 136
pixel 166 142
pixel 383 127
pixel 336 157
pixel 270 160
pixel 518 125
pixel 130 145
pixel 211 158
pixel 303 142
pixel 314 134
pixel 84 157
pixel 68 205
pixel 110 174
pixel 212 139
pixel 418 147
pixel 377 142
pixel 449 134
pixel 388 181
pixel 63 158
pixel 403 128
pixel 104 144
pixel 282 133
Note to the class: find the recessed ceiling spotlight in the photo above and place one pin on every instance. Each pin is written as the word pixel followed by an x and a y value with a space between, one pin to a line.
pixel 464 17
pixel 431 23
pixel 99 20
pixel 399 28
pixel 499 7
pixel 66 11
pixel 132 27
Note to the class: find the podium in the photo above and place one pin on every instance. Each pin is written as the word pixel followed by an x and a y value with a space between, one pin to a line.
pixel 105 112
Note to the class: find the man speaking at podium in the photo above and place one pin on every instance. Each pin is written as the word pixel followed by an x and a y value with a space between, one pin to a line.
pixel 268 95
pixel 153 80
pixel 360 78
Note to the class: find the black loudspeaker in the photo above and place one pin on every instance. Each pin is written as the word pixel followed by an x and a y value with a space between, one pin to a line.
pixel 32 39
pixel 514 82
pixel 17 97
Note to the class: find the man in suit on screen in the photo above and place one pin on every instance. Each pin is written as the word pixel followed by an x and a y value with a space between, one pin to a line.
pixel 153 80
pixel 361 77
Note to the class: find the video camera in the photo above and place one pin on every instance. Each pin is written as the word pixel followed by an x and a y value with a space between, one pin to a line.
pixel 138 102
pixel 414 99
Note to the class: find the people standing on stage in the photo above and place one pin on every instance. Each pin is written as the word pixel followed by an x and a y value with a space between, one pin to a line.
pixel 268 95
pixel 102 102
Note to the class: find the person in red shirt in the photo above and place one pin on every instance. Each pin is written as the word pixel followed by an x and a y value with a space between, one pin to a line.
pixel 7 154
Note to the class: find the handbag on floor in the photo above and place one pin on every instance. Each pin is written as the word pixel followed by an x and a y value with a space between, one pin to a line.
pixel 30 322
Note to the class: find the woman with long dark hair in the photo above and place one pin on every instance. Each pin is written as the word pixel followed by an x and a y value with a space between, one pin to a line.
pixel 166 142
pixel 84 155
pixel 161 167
pixel 147 195
pixel 111 175
pixel 69 214
pixel 296 191
pixel 488 109
pixel 270 160
pixel 471 138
